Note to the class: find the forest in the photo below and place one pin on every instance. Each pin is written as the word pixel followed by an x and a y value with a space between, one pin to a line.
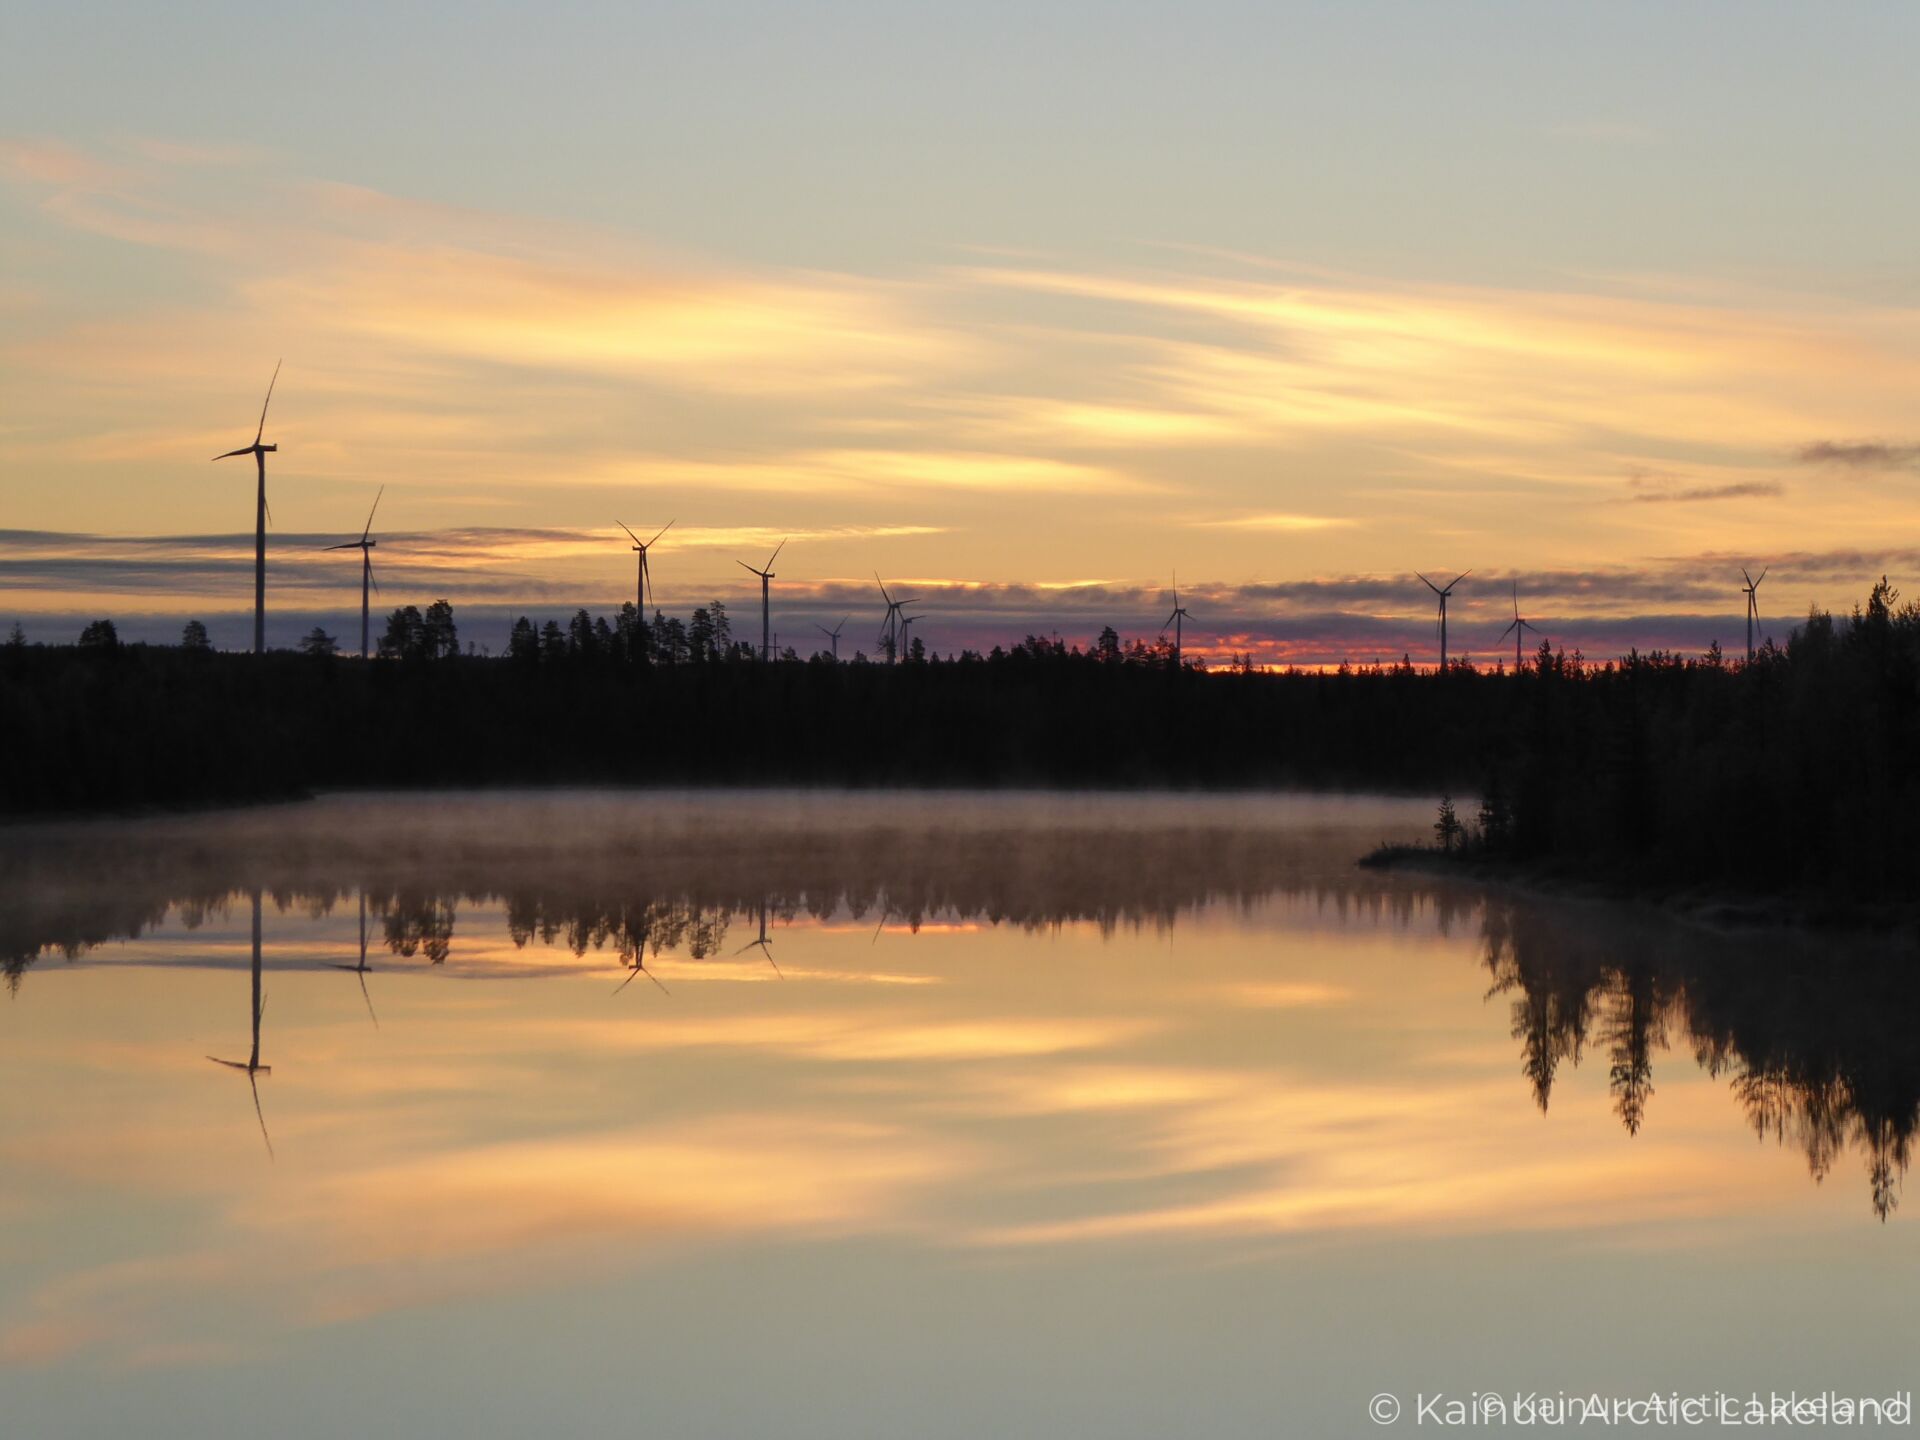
pixel 1792 772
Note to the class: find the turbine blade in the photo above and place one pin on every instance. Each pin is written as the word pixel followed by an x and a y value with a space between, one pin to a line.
pixel 746 567
pixel 376 505
pixel 776 552
pixel 350 545
pixel 1168 621
pixel 883 589
pixel 247 450
pixel 630 535
pixel 1518 624
pixel 268 401
pixel 1458 578
pixel 1426 582
pixel 1763 575
pixel 662 530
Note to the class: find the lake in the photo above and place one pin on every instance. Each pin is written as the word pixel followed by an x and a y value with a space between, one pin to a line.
pixel 797 1114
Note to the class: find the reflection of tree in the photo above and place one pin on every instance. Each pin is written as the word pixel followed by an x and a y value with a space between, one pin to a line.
pixel 1634 1026
pixel 418 922
pixel 1818 1048
pixel 1553 1003
pixel 1817 1045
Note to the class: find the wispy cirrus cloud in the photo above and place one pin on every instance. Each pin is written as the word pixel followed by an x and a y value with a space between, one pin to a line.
pixel 1860 454
pixel 498 370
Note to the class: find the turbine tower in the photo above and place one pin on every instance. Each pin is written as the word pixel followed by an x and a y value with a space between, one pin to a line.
pixel 765 574
pixel 259 453
pixel 890 640
pixel 1518 629
pixel 834 633
pixel 643 581
pixel 365 546
pixel 1443 594
pixel 1753 606
pixel 1177 620
pixel 906 629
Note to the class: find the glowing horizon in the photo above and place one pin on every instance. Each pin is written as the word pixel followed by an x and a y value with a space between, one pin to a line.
pixel 1019 404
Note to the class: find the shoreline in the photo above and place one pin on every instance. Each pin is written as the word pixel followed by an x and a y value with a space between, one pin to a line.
pixel 1707 907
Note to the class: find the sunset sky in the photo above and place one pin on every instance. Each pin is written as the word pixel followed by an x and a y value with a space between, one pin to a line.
pixel 1026 307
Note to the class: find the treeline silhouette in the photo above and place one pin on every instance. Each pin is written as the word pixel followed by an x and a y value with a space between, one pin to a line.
pixel 1793 771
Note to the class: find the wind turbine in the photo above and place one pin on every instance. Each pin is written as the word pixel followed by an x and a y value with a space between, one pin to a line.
pixel 254 1069
pixel 906 629
pixel 1518 628
pixel 365 547
pixel 643 583
pixel 1443 594
pixel 890 627
pixel 834 633
pixel 259 453
pixel 1177 619
pixel 1753 605
pixel 766 574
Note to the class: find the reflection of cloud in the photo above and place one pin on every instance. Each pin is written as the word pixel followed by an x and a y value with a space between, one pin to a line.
pixel 1063 1086
pixel 870 1037
pixel 738 1173
pixel 466 1220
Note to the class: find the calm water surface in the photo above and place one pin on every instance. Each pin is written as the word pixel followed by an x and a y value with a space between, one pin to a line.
pixel 784 1114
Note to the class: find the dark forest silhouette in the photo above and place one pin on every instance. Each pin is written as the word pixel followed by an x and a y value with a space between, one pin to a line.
pixel 1790 772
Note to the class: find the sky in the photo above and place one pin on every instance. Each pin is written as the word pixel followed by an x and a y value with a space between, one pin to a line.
pixel 1026 308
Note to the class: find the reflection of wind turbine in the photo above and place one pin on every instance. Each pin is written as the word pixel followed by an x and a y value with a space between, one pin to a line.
pixel 643 582
pixel 639 943
pixel 362 968
pixel 834 633
pixel 365 546
pixel 1752 588
pixel 766 574
pixel 1518 629
pixel 765 943
pixel 1177 620
pixel 259 453
pixel 1443 594
pixel 252 1064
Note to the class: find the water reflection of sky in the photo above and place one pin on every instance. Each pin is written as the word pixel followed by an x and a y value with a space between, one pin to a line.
pixel 1263 1143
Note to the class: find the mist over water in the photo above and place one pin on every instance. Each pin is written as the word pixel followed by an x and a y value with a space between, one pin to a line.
pixel 794 1112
